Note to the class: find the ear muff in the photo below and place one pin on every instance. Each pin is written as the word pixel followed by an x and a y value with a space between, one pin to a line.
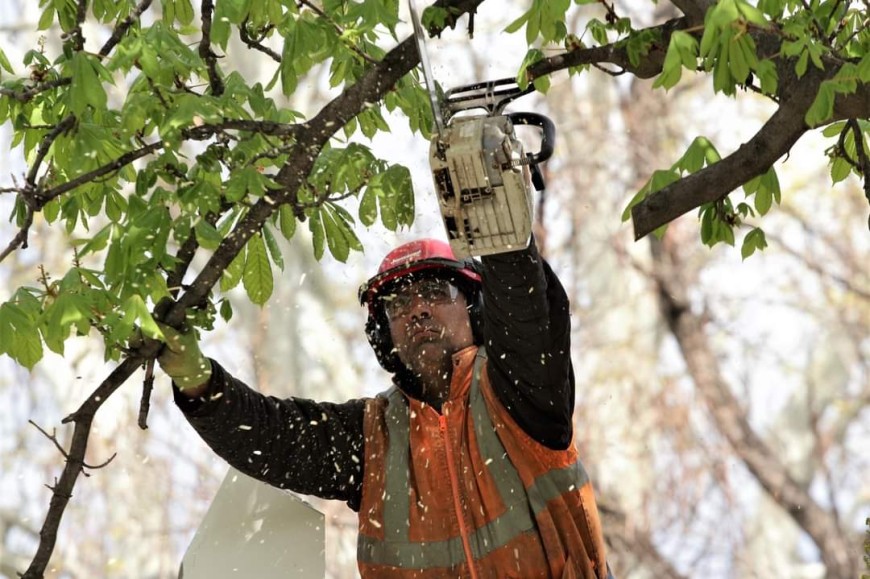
pixel 378 327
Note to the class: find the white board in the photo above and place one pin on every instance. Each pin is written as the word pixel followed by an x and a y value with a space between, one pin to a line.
pixel 253 530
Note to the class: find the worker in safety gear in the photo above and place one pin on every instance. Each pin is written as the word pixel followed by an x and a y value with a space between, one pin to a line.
pixel 466 466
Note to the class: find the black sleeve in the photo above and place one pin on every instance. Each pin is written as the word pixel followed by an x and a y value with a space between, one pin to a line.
pixel 312 448
pixel 527 333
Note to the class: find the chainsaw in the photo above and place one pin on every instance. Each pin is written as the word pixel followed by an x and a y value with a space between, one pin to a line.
pixel 483 177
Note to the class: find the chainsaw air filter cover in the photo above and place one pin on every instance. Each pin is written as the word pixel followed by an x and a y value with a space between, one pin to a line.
pixel 483 187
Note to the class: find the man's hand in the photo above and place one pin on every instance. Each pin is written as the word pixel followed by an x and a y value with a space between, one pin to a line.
pixel 182 360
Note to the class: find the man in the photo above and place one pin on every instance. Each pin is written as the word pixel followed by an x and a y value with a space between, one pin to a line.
pixel 466 467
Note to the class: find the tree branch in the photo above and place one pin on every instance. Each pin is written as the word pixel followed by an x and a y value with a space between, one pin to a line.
pixel 216 84
pixel 122 28
pixel 25 95
pixel 256 43
pixel 61 492
pixel 775 139
pixel 615 54
pixel 271 128
pixel 313 135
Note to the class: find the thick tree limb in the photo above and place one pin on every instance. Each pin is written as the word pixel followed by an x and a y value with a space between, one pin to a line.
pixel 775 139
pixel 838 552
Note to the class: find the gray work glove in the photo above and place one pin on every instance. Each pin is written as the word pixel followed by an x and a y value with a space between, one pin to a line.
pixel 182 359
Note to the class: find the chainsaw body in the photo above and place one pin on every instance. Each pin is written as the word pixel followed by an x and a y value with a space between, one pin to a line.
pixel 483 189
pixel 483 178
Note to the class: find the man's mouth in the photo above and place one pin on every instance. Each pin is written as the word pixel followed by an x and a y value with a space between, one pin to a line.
pixel 425 332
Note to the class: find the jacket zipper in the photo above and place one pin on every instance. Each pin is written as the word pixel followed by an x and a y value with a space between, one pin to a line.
pixel 454 485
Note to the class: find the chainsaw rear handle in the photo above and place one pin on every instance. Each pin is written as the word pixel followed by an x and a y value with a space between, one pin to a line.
pixel 548 129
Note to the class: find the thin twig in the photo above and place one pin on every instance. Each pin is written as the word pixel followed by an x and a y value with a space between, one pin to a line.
pixel 271 128
pixel 53 438
pixel 122 28
pixel 256 43
pixel 25 95
pixel 77 36
pixel 112 167
pixel 44 146
pixel 145 401
pixel 205 51
pixel 20 239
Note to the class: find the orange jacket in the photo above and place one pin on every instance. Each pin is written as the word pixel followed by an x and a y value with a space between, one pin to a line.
pixel 467 493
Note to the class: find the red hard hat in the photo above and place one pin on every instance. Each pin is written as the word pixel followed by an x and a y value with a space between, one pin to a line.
pixel 416 256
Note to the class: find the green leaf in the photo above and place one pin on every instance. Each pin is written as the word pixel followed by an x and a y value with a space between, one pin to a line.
pixel 233 273
pixel 318 235
pixel 206 235
pixel 4 62
pixel 822 108
pixel 226 310
pixel 763 200
pixel 840 169
pixel 257 278
pixel 86 88
pixel 755 239
pixel 287 221
pixel 518 23
pixel 184 11
pixel 274 249
pixel 19 338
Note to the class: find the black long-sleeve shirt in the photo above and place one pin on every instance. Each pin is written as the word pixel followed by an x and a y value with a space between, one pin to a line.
pixel 317 448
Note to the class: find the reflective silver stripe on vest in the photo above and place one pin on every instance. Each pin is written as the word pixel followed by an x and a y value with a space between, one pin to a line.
pixel 396 549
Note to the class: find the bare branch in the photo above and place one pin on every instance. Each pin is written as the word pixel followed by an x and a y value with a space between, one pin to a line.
pixel 53 438
pixel 62 490
pixel 112 167
pixel 863 158
pixel 693 9
pixel 615 54
pixel 76 36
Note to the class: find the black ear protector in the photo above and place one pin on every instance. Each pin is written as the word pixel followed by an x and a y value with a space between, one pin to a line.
pixel 378 326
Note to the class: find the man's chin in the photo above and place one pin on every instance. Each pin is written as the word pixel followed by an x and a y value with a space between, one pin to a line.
pixel 427 353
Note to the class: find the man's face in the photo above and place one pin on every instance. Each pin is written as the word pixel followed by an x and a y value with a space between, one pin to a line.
pixel 429 322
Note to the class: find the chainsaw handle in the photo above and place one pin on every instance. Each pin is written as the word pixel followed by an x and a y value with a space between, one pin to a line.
pixel 547 128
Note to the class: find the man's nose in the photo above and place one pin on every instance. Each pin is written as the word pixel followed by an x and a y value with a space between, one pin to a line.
pixel 420 308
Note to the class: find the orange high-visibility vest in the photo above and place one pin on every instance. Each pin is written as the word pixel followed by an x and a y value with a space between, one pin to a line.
pixel 467 493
